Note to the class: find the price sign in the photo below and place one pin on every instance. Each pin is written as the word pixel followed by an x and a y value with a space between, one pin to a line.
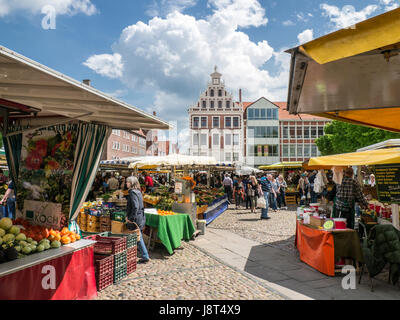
pixel 178 187
pixel 388 183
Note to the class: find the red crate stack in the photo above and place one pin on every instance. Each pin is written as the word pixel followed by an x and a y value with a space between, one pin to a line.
pixel 131 259
pixel 104 271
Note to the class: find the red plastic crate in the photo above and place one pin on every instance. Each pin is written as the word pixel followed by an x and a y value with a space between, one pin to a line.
pixel 131 266
pixel 104 264
pixel 104 281
pixel 108 245
pixel 132 253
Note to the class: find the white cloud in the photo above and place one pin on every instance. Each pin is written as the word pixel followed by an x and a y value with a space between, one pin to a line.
pixel 347 16
pixel 389 4
pixel 172 57
pixel 288 23
pixel 306 36
pixel 164 7
pixel 109 65
pixel 69 7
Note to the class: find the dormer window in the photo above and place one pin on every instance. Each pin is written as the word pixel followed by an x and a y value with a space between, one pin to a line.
pixel 204 104
pixel 212 93
pixel 219 93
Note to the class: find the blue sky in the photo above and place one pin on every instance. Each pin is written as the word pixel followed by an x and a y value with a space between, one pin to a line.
pixel 157 55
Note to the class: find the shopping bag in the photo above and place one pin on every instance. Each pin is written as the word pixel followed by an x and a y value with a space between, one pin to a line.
pixel 261 203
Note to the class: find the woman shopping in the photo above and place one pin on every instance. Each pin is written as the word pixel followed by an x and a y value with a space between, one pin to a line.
pixel 135 214
pixel 252 188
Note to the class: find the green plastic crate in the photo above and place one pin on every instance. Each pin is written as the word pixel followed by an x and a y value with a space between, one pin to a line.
pixel 120 259
pixel 118 216
pixel 120 273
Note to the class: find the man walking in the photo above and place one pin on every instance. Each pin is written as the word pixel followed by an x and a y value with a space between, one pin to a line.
pixel 228 185
pixel 266 188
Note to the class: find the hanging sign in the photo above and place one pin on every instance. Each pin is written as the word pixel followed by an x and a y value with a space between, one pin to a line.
pixel 388 183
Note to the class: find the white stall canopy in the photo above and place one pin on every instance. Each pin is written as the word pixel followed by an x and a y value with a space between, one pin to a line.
pixel 37 95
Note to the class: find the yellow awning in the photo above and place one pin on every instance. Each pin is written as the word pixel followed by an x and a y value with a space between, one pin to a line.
pixel 378 32
pixel 368 158
pixel 282 165
pixel 351 75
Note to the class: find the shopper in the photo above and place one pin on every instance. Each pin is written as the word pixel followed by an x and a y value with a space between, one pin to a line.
pixel 311 180
pixel 149 183
pixel 348 193
pixel 238 191
pixel 228 185
pixel 274 194
pixel 301 187
pixel 282 196
pixel 266 189
pixel 113 183
pixel 9 201
pixel 245 182
pixel 252 187
pixel 135 213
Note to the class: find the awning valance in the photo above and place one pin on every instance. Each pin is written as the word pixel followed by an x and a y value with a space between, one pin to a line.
pixel 282 165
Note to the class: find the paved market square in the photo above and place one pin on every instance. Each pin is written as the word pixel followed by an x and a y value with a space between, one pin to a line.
pixel 241 257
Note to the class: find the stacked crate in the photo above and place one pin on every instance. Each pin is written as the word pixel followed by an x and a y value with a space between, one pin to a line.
pixel 104 271
pixel 105 223
pixel 121 249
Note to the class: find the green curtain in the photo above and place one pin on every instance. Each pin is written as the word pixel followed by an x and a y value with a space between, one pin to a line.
pixel 13 147
pixel 92 139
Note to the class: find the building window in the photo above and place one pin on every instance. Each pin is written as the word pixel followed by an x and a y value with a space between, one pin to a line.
pixel 228 104
pixel 250 114
pixel 216 139
pixel 116 132
pixel 235 156
pixel 212 104
pixel 215 122
pixel 285 150
pixel 285 132
pixel 307 133
pixel 292 151
pixel 228 139
pixel 195 122
pixel 263 132
pixel 212 93
pixel 300 151
pixel 272 151
pixel 228 122
pixel 204 122
pixel 220 104
pixel 306 151
pixel 235 139
pixel 236 122
pixel 314 150
pixel 228 156
pixel 219 93
pixel 204 104
pixel 203 139
pixel 313 132
pixel 196 139
pixel 320 131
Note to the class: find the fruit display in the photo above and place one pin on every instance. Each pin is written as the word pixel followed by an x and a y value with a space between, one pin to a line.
pixel 165 213
pixel 19 238
pixel 151 199
pixel 205 195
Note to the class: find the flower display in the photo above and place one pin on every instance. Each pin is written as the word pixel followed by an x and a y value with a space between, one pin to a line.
pixel 34 161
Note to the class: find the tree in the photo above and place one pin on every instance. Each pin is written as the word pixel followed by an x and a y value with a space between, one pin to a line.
pixel 343 137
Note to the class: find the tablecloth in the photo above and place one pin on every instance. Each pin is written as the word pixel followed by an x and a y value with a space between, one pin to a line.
pixel 171 229
pixel 320 248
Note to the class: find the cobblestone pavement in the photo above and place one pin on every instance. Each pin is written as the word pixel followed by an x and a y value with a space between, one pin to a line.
pixel 188 274
pixel 279 231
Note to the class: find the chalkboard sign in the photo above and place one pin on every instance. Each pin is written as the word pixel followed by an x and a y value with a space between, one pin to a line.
pixel 388 183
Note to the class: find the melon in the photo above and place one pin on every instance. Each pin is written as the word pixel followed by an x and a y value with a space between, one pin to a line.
pixel 6 223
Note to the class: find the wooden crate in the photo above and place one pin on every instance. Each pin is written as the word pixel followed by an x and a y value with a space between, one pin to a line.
pixel 291 199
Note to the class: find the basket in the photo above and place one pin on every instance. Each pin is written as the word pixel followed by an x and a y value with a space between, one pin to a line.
pixel 121 229
pixel 108 245
pixel 120 259
pixel 120 273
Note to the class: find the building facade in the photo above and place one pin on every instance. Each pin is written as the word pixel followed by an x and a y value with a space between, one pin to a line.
pixel 122 144
pixel 273 135
pixel 261 141
pixel 216 123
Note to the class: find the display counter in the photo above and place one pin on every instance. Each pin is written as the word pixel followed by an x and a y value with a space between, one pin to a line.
pixel 320 249
pixel 170 230
pixel 65 273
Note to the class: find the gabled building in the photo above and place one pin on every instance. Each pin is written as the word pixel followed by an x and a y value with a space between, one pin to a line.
pixel 216 123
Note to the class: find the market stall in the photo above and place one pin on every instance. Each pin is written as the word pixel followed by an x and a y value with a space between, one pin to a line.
pixel 54 130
